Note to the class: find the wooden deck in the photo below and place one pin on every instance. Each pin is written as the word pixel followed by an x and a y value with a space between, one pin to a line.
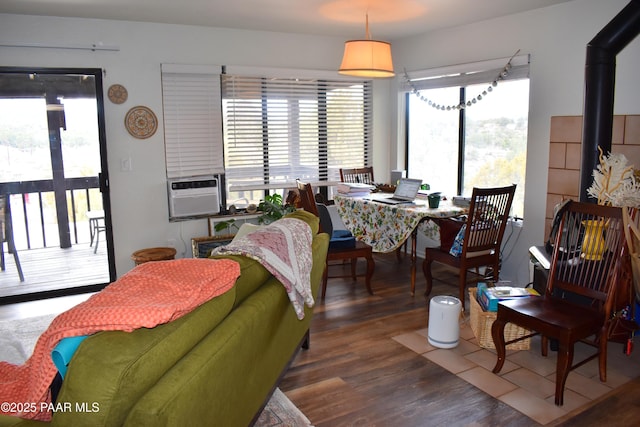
pixel 51 269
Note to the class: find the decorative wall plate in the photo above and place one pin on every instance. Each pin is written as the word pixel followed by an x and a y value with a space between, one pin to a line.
pixel 141 122
pixel 117 94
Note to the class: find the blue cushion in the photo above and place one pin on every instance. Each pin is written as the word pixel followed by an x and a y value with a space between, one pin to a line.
pixel 342 239
pixel 341 234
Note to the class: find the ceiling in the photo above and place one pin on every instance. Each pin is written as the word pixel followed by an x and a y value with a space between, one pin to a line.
pixel 388 19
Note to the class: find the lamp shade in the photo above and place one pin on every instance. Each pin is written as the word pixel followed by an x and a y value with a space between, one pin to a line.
pixel 367 58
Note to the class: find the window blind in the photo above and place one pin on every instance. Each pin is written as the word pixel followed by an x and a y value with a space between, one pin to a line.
pixel 467 74
pixel 192 120
pixel 280 129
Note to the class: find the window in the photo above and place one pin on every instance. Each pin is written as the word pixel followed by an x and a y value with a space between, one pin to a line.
pixel 280 129
pixel 192 120
pixel 482 145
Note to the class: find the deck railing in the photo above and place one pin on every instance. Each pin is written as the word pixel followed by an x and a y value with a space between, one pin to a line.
pixel 33 210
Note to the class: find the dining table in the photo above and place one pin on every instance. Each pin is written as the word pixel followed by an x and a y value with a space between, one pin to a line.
pixel 387 227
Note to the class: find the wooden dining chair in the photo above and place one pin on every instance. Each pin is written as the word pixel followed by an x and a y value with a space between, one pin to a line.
pixel 631 220
pixel 342 244
pixel 482 236
pixel 586 274
pixel 357 175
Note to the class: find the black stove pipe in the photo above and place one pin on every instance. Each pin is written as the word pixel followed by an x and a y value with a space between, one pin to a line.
pixel 600 70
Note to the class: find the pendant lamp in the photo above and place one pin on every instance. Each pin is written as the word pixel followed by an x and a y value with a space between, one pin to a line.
pixel 367 58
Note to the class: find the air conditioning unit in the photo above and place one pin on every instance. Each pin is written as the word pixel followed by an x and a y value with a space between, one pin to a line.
pixel 193 196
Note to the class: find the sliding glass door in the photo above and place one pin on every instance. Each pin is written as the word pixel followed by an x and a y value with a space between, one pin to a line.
pixel 54 190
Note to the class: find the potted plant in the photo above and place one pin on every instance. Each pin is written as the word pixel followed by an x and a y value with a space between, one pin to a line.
pixel 226 225
pixel 273 208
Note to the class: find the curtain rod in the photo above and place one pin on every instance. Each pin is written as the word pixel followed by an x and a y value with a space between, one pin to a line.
pixel 93 47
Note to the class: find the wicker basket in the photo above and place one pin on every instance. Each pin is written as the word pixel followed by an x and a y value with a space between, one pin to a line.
pixel 481 322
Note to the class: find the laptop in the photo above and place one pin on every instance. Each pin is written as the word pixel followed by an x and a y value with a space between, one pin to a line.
pixel 406 192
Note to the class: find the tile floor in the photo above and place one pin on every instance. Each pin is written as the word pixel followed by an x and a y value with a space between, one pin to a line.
pixel 527 380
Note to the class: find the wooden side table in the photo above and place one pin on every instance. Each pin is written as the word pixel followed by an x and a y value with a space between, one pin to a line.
pixel 153 254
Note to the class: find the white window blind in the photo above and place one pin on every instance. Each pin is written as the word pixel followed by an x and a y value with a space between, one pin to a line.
pixel 280 129
pixel 192 120
pixel 467 74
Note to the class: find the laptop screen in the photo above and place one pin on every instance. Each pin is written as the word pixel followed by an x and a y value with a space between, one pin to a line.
pixel 407 188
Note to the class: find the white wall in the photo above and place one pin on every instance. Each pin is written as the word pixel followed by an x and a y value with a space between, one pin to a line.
pixel 139 201
pixel 555 37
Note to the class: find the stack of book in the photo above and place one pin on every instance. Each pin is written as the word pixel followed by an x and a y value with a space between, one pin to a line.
pixel 488 297
pixel 354 189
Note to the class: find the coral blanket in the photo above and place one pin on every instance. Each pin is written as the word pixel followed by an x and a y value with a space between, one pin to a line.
pixel 150 294
pixel 284 249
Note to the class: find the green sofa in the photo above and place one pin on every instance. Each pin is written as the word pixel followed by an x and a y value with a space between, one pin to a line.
pixel 216 366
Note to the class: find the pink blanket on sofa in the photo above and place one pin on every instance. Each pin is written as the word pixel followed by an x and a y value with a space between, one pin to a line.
pixel 284 249
pixel 150 294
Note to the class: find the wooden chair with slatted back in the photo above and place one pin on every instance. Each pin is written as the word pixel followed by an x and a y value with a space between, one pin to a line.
pixel 586 274
pixel 342 244
pixel 483 232
pixel 631 220
pixel 357 175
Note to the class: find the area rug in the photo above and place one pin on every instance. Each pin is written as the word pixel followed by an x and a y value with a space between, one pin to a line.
pixel 18 338
pixel 280 411
pixel 527 380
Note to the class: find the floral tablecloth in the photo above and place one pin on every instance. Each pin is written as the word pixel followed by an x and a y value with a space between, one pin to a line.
pixel 386 227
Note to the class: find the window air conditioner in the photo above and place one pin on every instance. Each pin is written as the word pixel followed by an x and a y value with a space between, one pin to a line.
pixel 193 196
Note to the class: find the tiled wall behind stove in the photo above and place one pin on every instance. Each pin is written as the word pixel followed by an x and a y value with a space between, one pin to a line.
pixel 565 154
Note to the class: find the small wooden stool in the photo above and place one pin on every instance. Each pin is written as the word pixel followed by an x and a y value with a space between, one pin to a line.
pixel 153 254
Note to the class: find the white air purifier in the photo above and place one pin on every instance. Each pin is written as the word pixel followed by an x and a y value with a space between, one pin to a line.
pixel 444 318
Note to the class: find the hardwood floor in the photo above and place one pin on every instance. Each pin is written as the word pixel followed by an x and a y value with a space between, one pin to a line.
pixel 355 374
